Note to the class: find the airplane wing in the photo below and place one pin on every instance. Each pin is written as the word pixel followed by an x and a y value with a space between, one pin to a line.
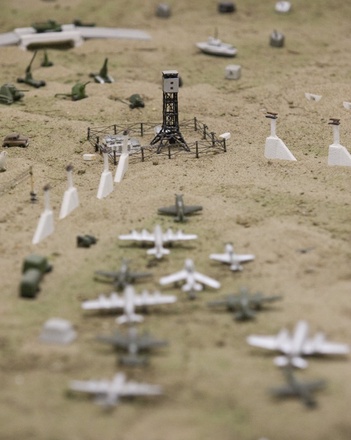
pixel 207 280
pixel 168 210
pixel 146 341
pixel 136 275
pixel 189 209
pixel 104 303
pixel 150 299
pixel 91 386
pixel 169 236
pixel 223 258
pixel 139 389
pixel 319 345
pixel 268 342
pixel 228 301
pixel 177 276
pixel 117 339
pixel 235 258
pixel 144 235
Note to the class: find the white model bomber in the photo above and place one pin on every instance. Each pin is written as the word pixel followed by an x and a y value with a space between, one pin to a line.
pixel 128 302
pixel 297 344
pixel 108 392
pixel 230 257
pixel 193 280
pixel 159 238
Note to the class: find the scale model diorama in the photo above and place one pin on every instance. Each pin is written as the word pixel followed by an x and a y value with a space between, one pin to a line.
pixel 128 156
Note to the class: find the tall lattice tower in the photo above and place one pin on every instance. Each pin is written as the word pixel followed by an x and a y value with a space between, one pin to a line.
pixel 170 132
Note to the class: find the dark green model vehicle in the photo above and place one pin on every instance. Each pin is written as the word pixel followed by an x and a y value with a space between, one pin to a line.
pixel 33 269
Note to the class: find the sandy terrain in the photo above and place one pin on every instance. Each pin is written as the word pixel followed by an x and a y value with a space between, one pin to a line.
pixel 215 384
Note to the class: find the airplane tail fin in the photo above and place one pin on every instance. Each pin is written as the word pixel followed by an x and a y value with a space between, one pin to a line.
pixel 296 361
pixel 159 253
pixel 244 314
pixel 124 319
pixel 197 287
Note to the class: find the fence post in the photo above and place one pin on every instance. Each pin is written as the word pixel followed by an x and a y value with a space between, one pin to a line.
pixel 141 129
pixel 97 144
pixel 114 129
pixel 88 134
pixel 224 145
pixel 204 135
pixel 196 149
pixel 195 123
pixel 213 138
pixel 142 154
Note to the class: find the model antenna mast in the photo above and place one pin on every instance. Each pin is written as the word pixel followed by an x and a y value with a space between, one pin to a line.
pixel 170 131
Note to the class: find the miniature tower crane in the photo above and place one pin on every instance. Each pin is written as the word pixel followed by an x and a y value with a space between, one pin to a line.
pixel 170 131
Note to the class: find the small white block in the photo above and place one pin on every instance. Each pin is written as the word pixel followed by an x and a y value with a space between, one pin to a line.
pixel 233 71
pixel 89 156
pixel 3 161
pixel 347 105
pixel 312 97
pixel 225 136
pixel 283 6
pixel 57 331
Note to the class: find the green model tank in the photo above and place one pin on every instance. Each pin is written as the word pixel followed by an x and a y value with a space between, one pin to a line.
pixel 30 283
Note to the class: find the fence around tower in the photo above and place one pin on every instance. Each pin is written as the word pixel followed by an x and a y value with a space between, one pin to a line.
pixel 202 140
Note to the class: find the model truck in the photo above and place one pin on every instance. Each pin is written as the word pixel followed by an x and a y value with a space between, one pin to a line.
pixel 33 269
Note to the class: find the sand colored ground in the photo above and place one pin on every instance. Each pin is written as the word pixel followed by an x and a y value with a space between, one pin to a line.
pixel 215 384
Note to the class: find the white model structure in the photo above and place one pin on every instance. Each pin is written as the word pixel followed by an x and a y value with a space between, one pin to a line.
pixel 70 198
pixel 3 161
pixel 57 331
pixel 45 225
pixel 338 154
pixel 127 302
pixel 297 344
pixel 231 258
pixel 159 238
pixel 106 180
pixel 69 34
pixel 283 7
pixel 313 97
pixel 123 159
pixel 194 281
pixel 275 147
pixel 109 392
pixel 214 46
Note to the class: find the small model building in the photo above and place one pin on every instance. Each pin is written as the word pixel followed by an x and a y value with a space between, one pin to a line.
pixel 163 10
pixel 58 331
pixel 233 71
pixel 276 39
pixel 226 7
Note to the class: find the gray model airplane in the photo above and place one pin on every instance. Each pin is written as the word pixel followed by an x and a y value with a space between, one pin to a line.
pixel 122 277
pixel 179 209
pixel 244 304
pixel 295 388
pixel 133 343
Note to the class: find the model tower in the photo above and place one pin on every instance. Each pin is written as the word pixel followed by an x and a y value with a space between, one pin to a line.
pixel 170 132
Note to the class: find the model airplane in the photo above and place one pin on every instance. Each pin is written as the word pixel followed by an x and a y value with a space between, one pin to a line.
pixel 108 392
pixel 159 238
pixel 193 280
pixel 297 344
pixel 295 388
pixel 122 277
pixel 179 209
pixel 229 257
pixel 128 302
pixel 133 343
pixel 244 304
